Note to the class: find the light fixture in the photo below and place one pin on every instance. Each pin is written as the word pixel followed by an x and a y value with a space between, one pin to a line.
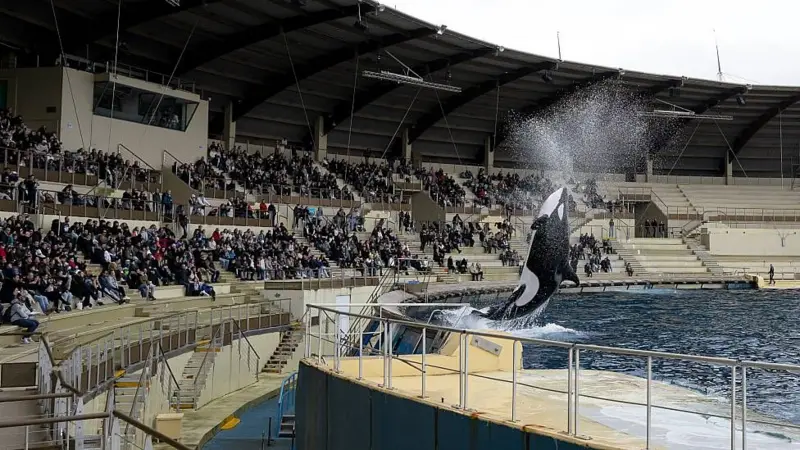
pixel 175 3
pixel 441 30
pixel 740 100
pixel 673 114
pixel 546 77
pixel 449 75
pixel 409 80
pixel 381 7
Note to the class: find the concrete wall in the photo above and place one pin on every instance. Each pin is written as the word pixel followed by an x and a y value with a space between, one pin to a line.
pixel 79 127
pixel 335 413
pixel 32 91
pixel 751 242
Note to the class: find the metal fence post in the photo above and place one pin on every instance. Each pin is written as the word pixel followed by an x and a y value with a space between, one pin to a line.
pixel 649 397
pixel 308 331
pixel 514 381
pixel 744 407
pixel 461 370
pixel 389 350
pixel 319 338
pixel 337 342
pixel 465 341
pixel 576 383
pixel 360 353
pixel 569 389
pixel 733 408
pixel 424 360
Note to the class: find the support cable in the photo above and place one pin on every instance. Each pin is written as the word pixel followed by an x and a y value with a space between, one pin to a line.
pixel 299 91
pixel 352 111
pixel 66 72
pixel 730 149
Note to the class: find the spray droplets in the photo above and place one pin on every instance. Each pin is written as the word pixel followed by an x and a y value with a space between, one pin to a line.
pixel 597 130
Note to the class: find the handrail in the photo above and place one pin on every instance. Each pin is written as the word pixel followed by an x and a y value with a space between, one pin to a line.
pixel 251 348
pixel 142 380
pixel 167 152
pixel 290 380
pixel 151 431
pixel 212 346
pixel 171 374
pixel 56 369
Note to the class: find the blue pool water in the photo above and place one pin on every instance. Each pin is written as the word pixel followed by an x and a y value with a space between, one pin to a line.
pixel 746 325
pixel 250 433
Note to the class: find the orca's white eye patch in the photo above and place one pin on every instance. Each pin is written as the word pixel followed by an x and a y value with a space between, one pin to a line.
pixel 561 211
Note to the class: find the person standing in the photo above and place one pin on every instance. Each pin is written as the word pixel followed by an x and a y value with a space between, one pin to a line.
pixel 771 274
pixel 611 228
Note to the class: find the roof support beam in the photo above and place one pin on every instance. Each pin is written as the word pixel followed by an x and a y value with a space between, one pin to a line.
pixel 452 103
pixel 78 35
pixel 748 133
pixel 253 35
pixel 658 88
pixel 275 85
pixel 344 110
pixel 547 102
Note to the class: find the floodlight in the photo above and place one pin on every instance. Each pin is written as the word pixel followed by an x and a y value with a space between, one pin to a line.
pixel 547 78
pixel 175 3
pixel 405 79
pixel 441 30
pixel 741 100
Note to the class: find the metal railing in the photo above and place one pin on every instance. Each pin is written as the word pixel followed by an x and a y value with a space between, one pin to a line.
pixel 735 413
pixel 103 207
pixel 286 401
pixel 89 363
pixel 715 213
pixel 53 168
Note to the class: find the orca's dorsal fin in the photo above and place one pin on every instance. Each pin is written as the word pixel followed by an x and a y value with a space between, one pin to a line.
pixel 568 274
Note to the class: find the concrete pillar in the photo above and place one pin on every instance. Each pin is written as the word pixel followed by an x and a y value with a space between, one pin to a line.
pixel 406 146
pixel 488 154
pixel 229 127
pixel 648 175
pixel 728 168
pixel 320 139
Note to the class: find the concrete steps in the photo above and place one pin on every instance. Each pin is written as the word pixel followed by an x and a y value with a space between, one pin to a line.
pixel 130 397
pixel 287 347
pixel 193 378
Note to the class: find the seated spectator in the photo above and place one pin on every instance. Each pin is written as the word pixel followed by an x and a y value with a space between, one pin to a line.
pixel 19 315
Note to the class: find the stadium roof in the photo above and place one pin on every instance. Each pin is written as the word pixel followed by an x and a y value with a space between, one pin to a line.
pixel 257 52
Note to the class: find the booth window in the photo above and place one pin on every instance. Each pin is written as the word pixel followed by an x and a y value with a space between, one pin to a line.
pixel 145 107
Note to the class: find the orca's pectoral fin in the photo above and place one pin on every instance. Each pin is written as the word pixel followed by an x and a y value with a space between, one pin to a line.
pixel 568 274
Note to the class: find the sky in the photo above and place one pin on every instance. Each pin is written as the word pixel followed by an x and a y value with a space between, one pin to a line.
pixel 757 40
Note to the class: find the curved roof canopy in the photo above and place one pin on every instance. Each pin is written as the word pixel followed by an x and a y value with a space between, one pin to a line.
pixel 283 63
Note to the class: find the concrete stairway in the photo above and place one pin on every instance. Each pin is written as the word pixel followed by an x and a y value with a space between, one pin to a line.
pixel 628 256
pixel 130 398
pixel 704 255
pixel 663 256
pixel 287 429
pixel 193 378
pixel 340 182
pixel 286 350
pixel 674 198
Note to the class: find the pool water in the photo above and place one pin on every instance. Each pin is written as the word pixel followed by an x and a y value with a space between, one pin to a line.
pixel 745 325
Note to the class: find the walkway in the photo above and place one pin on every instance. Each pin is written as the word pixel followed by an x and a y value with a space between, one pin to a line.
pixel 200 425
pixel 249 434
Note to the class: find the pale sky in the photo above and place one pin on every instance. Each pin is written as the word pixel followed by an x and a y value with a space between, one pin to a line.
pixel 758 41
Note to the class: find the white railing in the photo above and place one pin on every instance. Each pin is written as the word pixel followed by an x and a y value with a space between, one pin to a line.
pixel 738 370
pixel 88 364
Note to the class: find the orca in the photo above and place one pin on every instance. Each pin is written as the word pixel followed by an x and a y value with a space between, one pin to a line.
pixel 547 263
